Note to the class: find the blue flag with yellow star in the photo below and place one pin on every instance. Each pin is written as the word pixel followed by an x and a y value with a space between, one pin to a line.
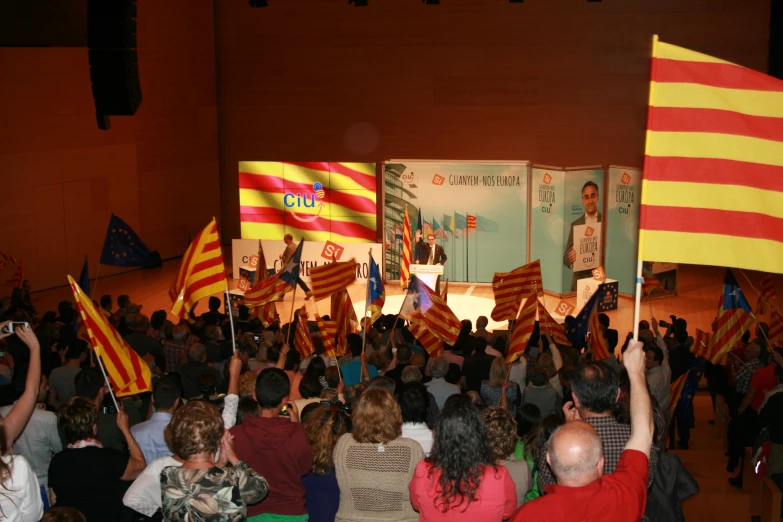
pixel 123 247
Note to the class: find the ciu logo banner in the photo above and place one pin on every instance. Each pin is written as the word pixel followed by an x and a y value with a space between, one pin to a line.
pixel 546 196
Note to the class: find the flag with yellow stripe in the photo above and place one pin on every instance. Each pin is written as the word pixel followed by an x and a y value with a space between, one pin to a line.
pixel 712 192
pixel 201 272
pixel 429 341
pixel 523 330
pixel 675 392
pixel 327 337
pixel 551 327
pixel 405 262
pixel 303 342
pixel 128 372
pixel 332 278
pixel 767 295
pixel 702 345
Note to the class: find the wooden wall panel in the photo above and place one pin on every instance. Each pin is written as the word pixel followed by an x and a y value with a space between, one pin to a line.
pixel 560 82
pixel 157 170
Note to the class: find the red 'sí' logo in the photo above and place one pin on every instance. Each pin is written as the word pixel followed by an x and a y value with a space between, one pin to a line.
pixel 626 179
pixel 589 231
pixel 547 178
pixel 332 251
pixel 437 179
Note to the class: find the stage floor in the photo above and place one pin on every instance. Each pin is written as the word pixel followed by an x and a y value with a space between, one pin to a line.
pixel 699 288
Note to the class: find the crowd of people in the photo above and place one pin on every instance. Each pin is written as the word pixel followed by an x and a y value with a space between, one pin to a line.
pixel 385 432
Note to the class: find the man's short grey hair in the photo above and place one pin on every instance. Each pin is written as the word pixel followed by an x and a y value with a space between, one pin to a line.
pixel 439 367
pixel 179 333
pixel 197 352
pixel 410 374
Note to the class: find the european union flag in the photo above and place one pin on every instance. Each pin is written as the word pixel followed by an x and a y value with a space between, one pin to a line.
pixel 123 247
pixel 732 293
pixel 582 321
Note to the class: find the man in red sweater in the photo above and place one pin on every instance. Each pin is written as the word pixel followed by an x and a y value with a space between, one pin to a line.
pixel 277 448
pixel 575 455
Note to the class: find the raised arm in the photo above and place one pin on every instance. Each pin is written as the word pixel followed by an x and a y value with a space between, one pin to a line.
pixel 136 462
pixel 641 409
pixel 17 418
pixel 231 401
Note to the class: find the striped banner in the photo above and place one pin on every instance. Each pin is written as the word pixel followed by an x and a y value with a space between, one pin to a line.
pixel 712 192
pixel 597 339
pixel 523 329
pixel 320 201
pixel 731 324
pixel 424 335
pixel 128 373
pixel 302 340
pixel 327 338
pixel 702 341
pixel 510 288
pixel 201 272
pixel 405 268
pixel 344 316
pixel 650 285
pixel 675 392
pixel 332 278
pixel 551 327
pixel 768 296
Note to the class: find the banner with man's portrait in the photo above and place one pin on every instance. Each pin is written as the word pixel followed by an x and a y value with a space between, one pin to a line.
pixel 582 225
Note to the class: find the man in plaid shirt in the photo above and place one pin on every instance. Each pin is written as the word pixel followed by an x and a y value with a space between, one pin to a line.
pixel 745 373
pixel 176 351
pixel 596 388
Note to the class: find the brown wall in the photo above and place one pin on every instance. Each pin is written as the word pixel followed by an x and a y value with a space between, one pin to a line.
pixel 62 177
pixel 559 82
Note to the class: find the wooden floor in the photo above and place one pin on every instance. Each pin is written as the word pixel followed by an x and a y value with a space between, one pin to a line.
pixel 696 301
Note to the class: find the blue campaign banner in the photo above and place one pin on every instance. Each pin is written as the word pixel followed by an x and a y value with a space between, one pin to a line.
pixel 547 214
pixel 624 186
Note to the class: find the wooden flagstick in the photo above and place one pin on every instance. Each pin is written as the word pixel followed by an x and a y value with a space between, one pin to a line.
pixel 95 282
pixel 108 383
pixel 231 317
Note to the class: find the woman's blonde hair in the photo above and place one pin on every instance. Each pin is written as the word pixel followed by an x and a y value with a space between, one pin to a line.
pixel 377 418
pixel 498 372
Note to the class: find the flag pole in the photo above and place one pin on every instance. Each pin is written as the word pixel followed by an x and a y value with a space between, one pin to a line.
pixel 108 384
pixel 366 304
pixel 95 282
pixel 394 326
pixel 639 274
pixel 231 317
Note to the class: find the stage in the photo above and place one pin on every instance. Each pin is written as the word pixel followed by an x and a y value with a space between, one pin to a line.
pixel 699 288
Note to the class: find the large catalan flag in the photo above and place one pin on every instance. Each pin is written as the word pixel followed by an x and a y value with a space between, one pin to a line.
pixel 407 254
pixel 768 296
pixel 713 172
pixel 319 201
pixel 128 373
pixel 266 313
pixel 332 278
pixel 523 329
pixel 201 272
pixel 702 343
pixel 510 288
pixel 327 338
pixel 344 316
pixel 733 318
pixel 303 342
pixel 431 342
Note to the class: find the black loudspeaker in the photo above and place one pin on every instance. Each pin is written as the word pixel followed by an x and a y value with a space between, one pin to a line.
pixel 114 67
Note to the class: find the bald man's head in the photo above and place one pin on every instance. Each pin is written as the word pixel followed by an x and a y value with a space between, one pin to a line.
pixel 575 454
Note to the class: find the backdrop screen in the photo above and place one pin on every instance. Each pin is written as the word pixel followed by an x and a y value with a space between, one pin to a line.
pixel 320 201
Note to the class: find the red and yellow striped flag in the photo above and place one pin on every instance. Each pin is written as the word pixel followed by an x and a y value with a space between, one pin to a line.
pixel 597 339
pixel 332 278
pixel 650 285
pixel 732 323
pixel 128 373
pixel 510 288
pixel 551 327
pixel 675 392
pixel 432 311
pixel 267 313
pixel 303 342
pixel 768 296
pixel 201 272
pixel 327 338
pixel 405 262
pixel 523 329
pixel 713 172
pixel 424 335
pixel 444 294
pixel 775 328
pixel 344 316
pixel 702 341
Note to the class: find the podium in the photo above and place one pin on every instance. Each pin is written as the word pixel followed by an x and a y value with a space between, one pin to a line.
pixel 428 274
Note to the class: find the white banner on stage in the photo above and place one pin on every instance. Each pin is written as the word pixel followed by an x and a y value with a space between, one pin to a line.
pixel 313 254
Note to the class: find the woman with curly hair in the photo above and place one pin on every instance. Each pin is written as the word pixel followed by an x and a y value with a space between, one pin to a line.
pixel 502 432
pixel 203 488
pixel 374 464
pixel 460 480
pixel 323 427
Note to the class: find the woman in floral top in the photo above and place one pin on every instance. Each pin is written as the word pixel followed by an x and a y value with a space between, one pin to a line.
pixel 203 489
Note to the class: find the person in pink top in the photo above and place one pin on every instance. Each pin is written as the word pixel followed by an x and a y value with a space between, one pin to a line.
pixel 459 480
